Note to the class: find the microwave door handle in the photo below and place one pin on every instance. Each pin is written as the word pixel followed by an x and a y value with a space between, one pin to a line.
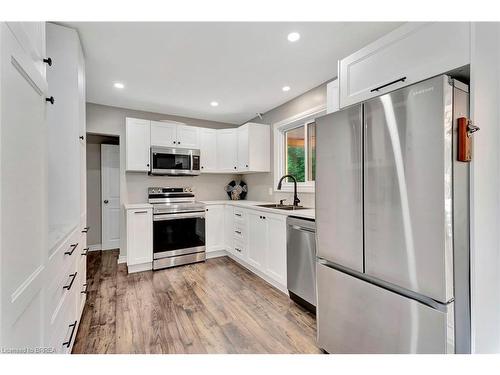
pixel 192 161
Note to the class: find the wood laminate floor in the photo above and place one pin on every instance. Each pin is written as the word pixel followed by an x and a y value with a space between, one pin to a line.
pixel 212 307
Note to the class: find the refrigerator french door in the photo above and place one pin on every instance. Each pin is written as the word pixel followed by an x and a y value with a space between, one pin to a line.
pixel 392 224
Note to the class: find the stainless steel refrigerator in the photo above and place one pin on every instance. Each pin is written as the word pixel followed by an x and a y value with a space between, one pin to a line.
pixel 392 218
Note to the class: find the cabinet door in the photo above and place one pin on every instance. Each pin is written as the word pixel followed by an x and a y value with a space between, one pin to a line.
pixel 332 96
pixel 227 150
pixel 139 236
pixel 228 228
pixel 243 159
pixel 163 134
pixel 137 145
pixel 276 247
pixel 257 239
pixel 208 150
pixel 23 193
pixel 214 225
pixel 409 54
pixel 188 136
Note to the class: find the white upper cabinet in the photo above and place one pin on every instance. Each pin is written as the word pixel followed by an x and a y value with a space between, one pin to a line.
pixel 188 136
pixel 208 150
pixel 163 134
pixel 174 134
pixel 245 149
pixel 411 53
pixel 137 144
pixel 332 96
pixel 254 148
pixel 227 150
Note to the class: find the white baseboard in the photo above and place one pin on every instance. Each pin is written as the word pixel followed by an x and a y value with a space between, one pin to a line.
pixel 96 247
pixel 122 259
pixel 140 267
pixel 216 254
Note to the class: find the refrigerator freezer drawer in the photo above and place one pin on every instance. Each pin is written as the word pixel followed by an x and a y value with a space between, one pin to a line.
pixel 355 316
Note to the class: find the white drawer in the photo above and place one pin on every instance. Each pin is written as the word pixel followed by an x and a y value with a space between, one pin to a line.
pixel 63 330
pixel 239 249
pixel 239 214
pixel 239 231
pixel 63 284
pixel 64 255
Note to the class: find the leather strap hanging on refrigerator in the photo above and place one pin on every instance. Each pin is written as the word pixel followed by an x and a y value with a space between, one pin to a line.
pixel 465 131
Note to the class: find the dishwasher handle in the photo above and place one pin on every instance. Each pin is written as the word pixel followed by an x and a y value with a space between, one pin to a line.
pixel 303 229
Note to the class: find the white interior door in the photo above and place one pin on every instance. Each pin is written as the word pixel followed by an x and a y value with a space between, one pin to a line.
pixel 110 196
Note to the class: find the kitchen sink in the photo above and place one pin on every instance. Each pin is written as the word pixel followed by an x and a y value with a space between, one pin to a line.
pixel 282 207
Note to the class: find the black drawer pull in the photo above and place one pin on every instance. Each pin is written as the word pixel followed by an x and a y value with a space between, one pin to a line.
pixel 48 61
pixel 73 247
pixel 86 287
pixel 239 250
pixel 73 327
pixel 238 215
pixel 85 230
pixel 86 251
pixel 237 231
pixel 50 100
pixel 73 277
pixel 388 84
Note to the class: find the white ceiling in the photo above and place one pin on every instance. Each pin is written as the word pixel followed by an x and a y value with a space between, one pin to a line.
pixel 179 68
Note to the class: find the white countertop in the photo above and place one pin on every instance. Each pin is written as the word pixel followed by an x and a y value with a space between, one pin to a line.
pixel 308 213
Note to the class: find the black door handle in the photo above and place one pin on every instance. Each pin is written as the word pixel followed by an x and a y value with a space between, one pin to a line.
pixel 85 230
pixel 50 100
pixel 73 327
pixel 388 84
pixel 85 251
pixel 73 276
pixel 48 61
pixel 106 201
pixel 73 247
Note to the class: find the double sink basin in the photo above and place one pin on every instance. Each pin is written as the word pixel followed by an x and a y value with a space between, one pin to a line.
pixel 282 207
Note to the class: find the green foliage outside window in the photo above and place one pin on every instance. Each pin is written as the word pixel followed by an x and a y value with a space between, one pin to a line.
pixel 296 163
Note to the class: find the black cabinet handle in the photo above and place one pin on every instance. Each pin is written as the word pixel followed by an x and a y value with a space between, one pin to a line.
pixel 238 215
pixel 86 251
pixel 73 277
pixel 51 100
pixel 82 137
pixel 388 84
pixel 147 165
pixel 73 247
pixel 239 250
pixel 174 142
pixel 178 142
pixel 73 327
pixel 48 61
pixel 234 167
pixel 237 231
pixel 85 230
pixel 246 165
pixel 85 290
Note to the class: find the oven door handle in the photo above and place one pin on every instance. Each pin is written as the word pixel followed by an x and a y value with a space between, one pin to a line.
pixel 188 215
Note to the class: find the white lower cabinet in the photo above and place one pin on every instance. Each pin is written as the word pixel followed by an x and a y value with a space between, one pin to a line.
pixel 254 238
pixel 139 239
pixel 257 239
pixel 276 247
pixel 214 228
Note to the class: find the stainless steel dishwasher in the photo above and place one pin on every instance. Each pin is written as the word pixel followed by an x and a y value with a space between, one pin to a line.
pixel 301 261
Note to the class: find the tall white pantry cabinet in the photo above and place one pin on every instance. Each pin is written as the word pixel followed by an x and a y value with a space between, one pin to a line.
pixel 42 194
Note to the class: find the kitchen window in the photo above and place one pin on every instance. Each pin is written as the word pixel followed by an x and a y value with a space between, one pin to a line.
pixel 295 151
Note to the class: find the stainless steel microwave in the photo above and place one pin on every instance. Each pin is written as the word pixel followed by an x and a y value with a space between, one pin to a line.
pixel 171 161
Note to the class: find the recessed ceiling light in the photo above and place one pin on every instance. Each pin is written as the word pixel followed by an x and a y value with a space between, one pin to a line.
pixel 214 104
pixel 119 85
pixel 293 37
pixel 286 88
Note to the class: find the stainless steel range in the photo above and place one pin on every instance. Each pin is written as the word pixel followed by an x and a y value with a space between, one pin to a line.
pixel 178 227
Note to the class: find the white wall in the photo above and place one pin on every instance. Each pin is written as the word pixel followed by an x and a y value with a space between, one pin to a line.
pixel 108 120
pixel 485 193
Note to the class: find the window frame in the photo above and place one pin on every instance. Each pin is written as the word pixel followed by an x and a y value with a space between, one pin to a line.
pixel 279 129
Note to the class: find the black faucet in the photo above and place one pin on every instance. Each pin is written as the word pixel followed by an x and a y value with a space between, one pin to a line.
pixel 296 199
